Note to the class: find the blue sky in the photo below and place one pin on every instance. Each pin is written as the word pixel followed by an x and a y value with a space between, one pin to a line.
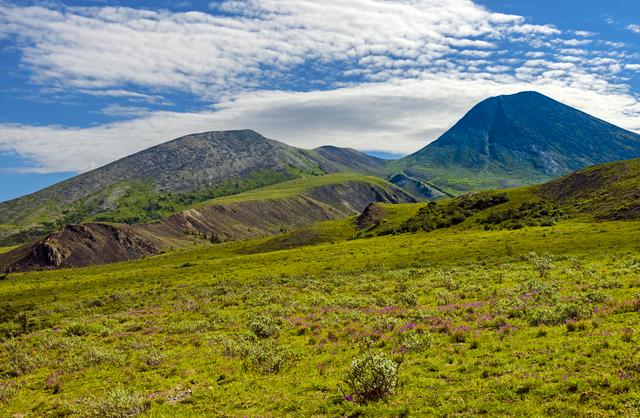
pixel 84 83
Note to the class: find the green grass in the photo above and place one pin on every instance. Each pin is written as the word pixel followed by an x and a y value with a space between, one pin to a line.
pixel 7 249
pixel 457 180
pixel 296 186
pixel 168 334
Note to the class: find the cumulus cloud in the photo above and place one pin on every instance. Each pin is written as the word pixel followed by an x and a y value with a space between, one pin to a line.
pixel 634 28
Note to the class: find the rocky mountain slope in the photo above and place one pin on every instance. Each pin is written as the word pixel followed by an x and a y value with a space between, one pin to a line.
pixel 518 139
pixel 268 211
pixel 164 179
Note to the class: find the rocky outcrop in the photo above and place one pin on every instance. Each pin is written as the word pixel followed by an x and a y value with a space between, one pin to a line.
pixel 81 245
pixel 370 217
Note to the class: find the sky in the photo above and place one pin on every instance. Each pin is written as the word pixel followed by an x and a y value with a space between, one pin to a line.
pixel 85 83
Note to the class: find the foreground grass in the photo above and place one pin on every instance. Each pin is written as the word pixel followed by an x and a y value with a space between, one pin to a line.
pixel 224 331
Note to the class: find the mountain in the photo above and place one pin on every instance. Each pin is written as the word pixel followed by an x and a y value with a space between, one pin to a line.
pixel 518 139
pixel 257 213
pixel 172 176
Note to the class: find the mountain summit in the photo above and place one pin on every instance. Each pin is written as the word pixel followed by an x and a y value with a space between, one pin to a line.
pixel 519 139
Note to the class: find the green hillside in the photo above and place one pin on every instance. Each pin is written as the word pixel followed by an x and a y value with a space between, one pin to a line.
pixel 256 213
pixel 170 177
pixel 485 326
pixel 458 309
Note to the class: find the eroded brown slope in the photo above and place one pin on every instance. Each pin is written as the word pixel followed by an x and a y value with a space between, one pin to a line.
pixel 81 245
pixel 95 243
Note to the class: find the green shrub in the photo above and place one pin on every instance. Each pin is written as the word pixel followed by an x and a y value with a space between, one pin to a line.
pixel 264 326
pixel 406 299
pixel 414 341
pixel 268 357
pixel 542 265
pixel 560 313
pixel 152 358
pixel 8 388
pixel 21 359
pixel 372 377
pixel 117 403
pixel 597 296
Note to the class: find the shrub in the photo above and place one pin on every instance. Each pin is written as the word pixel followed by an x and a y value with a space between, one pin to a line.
pixel 76 330
pixel 597 296
pixel 406 299
pixel 9 329
pixel 117 403
pixel 268 358
pixel 153 358
pixel 543 265
pixel 627 335
pixel 372 377
pixel 238 346
pixel 559 314
pixel 7 390
pixel 414 341
pixel 264 326
pixel 21 360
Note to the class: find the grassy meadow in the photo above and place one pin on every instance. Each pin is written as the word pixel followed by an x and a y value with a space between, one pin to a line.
pixel 535 321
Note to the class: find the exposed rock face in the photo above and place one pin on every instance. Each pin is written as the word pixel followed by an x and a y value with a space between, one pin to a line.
pixel 80 245
pixel 371 216
pixel 250 219
pixel 342 159
pixel 416 187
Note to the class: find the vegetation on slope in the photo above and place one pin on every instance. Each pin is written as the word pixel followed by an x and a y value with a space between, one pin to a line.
pixel 478 323
pixel 260 212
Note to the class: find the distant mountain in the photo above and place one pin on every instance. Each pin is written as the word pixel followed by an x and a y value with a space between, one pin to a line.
pixel 167 178
pixel 518 139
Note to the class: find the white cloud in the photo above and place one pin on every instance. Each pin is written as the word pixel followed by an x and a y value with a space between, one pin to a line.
pixel 421 64
pixel 634 28
pixel 584 33
pixel 213 56
pixel 397 116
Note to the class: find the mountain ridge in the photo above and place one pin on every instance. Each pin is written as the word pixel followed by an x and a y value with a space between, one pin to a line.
pixel 170 177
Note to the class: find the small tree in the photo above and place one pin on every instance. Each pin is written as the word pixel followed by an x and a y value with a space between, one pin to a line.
pixel 543 266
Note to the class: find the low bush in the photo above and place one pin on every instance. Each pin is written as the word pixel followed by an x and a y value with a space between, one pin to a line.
pixel 117 403
pixel 372 377
pixel 268 358
pixel 264 326
pixel 414 341
pixel 8 388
